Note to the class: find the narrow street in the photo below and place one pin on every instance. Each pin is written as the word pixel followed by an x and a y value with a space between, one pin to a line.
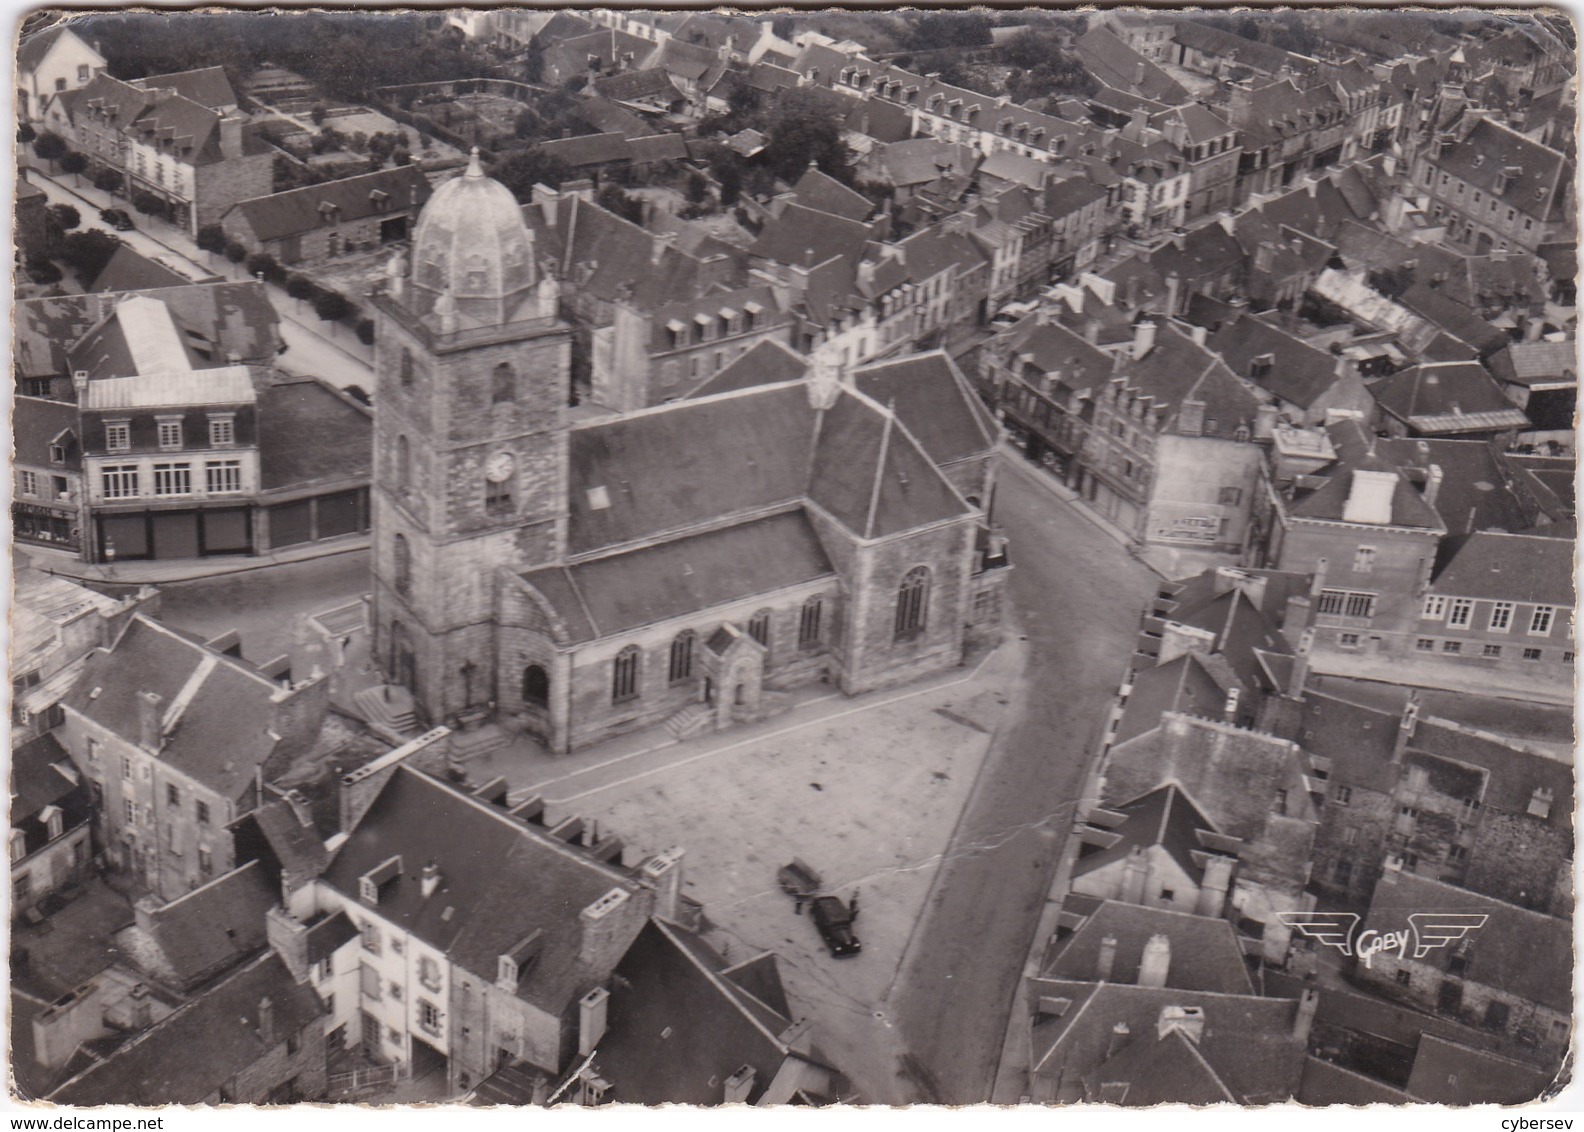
pixel 1076 594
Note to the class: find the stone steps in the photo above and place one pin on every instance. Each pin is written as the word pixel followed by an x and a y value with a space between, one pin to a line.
pixel 480 740
pixel 389 706
pixel 695 719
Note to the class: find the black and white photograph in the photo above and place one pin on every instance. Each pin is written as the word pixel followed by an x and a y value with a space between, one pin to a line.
pixel 837 558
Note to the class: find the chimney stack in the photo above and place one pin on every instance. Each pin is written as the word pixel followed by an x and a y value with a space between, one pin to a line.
pixel 266 1021
pixel 231 135
pixel 1156 963
pixel 1143 338
pixel 1186 1020
pixel 1303 1021
pixel 664 871
pixel 429 880
pixel 1119 1038
pixel 738 1086
pixel 1370 497
pixel 1106 960
pixel 602 929
pixel 1213 888
pixel 1091 332
pixel 593 1009
pixel 1135 876
pixel 1433 484
pixel 151 727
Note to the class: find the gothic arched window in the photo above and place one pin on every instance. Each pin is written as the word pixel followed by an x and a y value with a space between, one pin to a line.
pixel 624 675
pixel 682 656
pixel 759 627
pixel 403 464
pixel 809 622
pixel 406 368
pixel 913 602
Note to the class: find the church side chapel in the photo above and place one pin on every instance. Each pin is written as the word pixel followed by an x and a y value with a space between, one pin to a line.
pixel 684 565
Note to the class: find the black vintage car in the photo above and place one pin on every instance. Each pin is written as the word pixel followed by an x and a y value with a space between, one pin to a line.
pixel 117 219
pixel 834 921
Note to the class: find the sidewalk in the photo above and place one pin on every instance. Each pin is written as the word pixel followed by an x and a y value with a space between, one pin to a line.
pixel 67 565
pixel 1409 672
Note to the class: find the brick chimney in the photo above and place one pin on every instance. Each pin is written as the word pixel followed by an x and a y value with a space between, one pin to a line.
pixel 1119 1038
pixel 593 1009
pixel 429 879
pixel 601 926
pixel 231 135
pixel 664 871
pixel 266 1021
pixel 1432 486
pixel 738 1086
pixel 1135 876
pixel 1156 963
pixel 1186 1020
pixel 1303 1021
pixel 1143 338
pixel 151 726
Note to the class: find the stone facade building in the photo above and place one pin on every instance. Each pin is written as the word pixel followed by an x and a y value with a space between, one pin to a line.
pixel 316 223
pixel 679 563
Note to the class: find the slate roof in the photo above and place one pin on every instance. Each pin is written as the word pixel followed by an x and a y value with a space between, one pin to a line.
pixel 591 149
pixel 672 986
pixel 32 50
pixel 1449 1073
pixel 931 394
pixel 139 337
pixel 192 128
pixel 1178 369
pixel 207 86
pixel 881 120
pixel 806 237
pixel 1523 953
pixel 1299 374
pixel 1536 363
pixel 1509 567
pixel 1490 147
pixel 918 161
pixel 42 774
pixel 130 270
pixel 1247 1044
pixel 186 1057
pixel 297 848
pixel 309 432
pixel 621 592
pixel 500 880
pixel 1454 318
pixel 1252 53
pixel 1166 817
pixel 767 362
pixel 224 732
pixel 1205 953
pixel 823 192
pixel 35 423
pixel 289 213
pixel 1189 683
pixel 1448 397
pixel 1117 65
pixel 629 86
pixel 213 928
pixel 1476 492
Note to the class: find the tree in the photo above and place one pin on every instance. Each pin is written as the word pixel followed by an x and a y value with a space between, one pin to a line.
pixel 50 148
pixel 212 238
pixel 730 178
pixel 108 181
pixel 365 331
pixel 697 190
pixel 262 263
pixel 522 169
pixel 803 129
pixel 235 252
pixel 44 272
pixel 148 203
pixel 25 134
pixel 317 113
pixel 951 29
pixel 401 157
pixel 74 163
pixel 300 288
pixel 87 252
pixel 331 306
pixel 65 215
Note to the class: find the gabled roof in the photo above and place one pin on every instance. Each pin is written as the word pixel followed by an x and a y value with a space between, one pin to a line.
pixel 225 708
pixel 1450 1073
pixel 1454 318
pixel 207 86
pixel 1489 148
pixel 807 237
pixel 1448 397
pixel 931 394
pixel 767 362
pixel 821 191
pixel 35 47
pixel 401 189
pixel 187 1057
pixel 678 1025
pixel 500 881
pixel 1205 953
pixel 139 337
pixel 39 778
pixel 591 149
pixel 918 161
pixel 1522 953
pixel 1536 363
pixel 1297 372
pixel 1476 492
pixel 1509 567
pixel 1118 66
pixel 311 432
pixel 1165 817
pixel 36 423
pixel 209 930
pixel 1219 44
pixel 130 270
pixel 223 385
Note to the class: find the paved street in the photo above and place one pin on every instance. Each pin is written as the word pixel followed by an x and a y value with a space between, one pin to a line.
pixel 267 607
pixel 1077 594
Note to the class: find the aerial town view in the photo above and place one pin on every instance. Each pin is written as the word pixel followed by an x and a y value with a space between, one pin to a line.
pixel 580 557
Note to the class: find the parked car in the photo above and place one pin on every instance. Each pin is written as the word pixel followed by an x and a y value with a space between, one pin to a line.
pixel 834 921
pixel 117 218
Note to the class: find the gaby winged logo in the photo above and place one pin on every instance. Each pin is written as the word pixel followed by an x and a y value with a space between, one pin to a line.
pixel 1425 932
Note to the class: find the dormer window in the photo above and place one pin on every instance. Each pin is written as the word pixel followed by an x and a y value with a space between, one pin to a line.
pixel 1540 803
pixel 380 200
pixel 1260 366
pixel 370 883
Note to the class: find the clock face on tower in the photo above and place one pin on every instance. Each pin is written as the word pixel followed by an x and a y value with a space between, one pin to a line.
pixel 499 468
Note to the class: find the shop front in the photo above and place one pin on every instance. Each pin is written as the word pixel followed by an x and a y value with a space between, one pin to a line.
pixel 47 526
pixel 186 533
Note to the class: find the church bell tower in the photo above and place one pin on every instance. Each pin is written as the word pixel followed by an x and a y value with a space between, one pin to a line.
pixel 472 371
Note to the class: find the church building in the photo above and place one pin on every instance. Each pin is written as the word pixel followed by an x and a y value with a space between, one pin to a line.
pixel 685 564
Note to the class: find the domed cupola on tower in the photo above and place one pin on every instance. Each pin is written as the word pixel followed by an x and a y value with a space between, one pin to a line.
pixel 472 249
